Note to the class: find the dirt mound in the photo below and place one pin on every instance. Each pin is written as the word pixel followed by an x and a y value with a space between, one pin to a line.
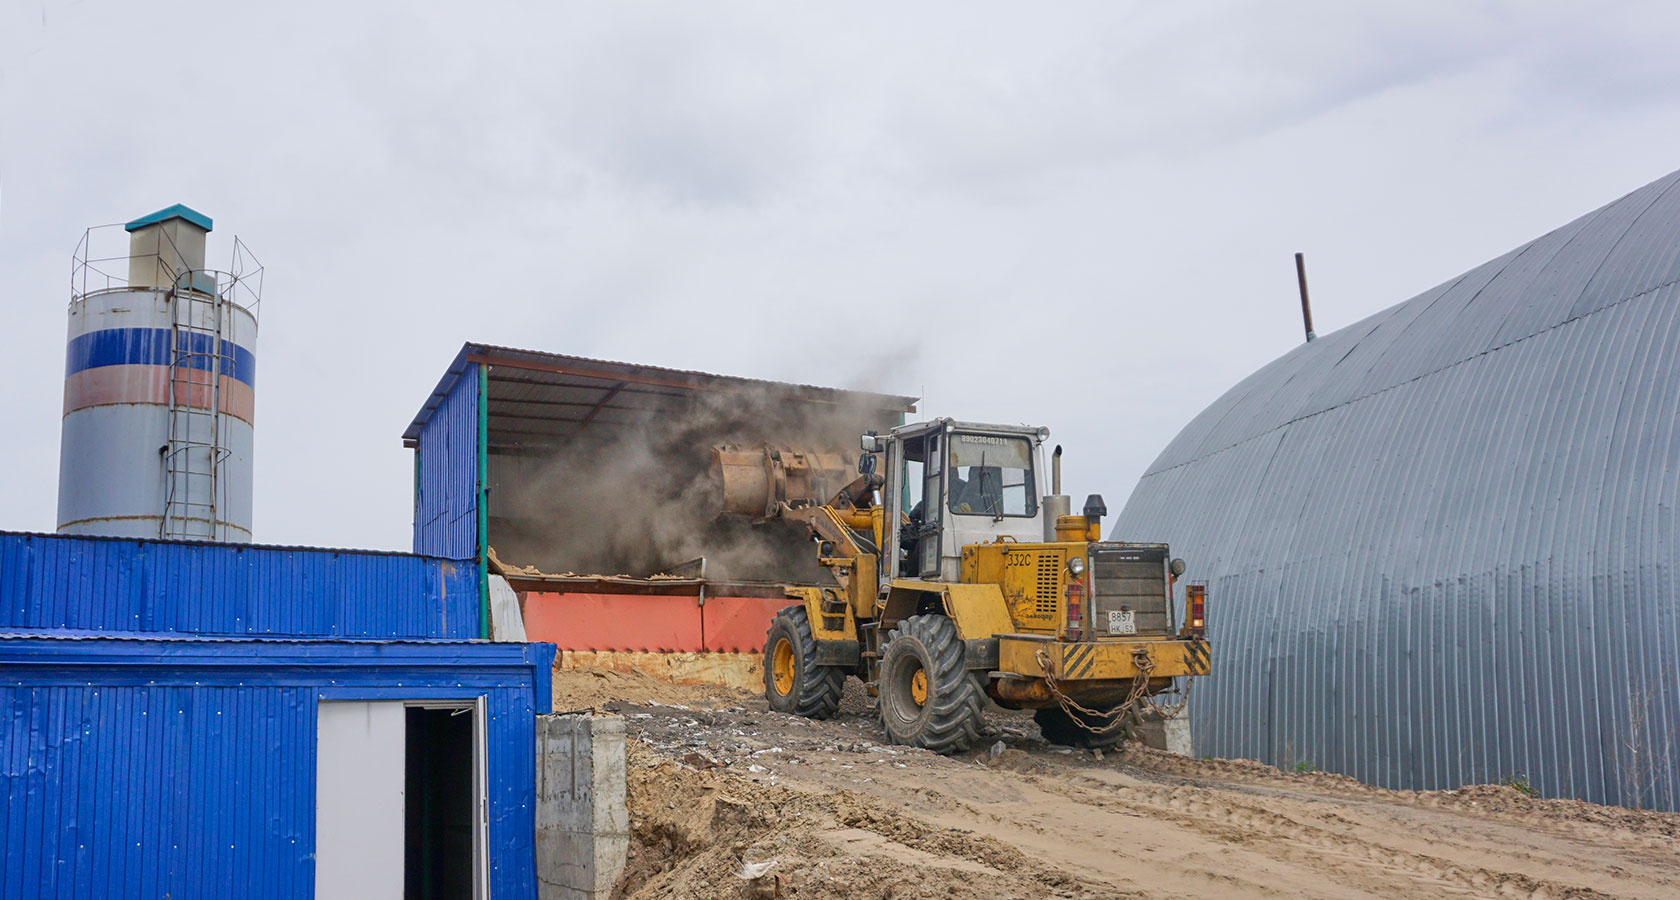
pixel 729 799
pixel 1499 800
pixel 708 832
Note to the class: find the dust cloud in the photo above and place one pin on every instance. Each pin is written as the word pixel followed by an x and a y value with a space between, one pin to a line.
pixel 637 497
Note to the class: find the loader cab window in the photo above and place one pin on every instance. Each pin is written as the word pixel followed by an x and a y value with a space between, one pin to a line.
pixel 915 472
pixel 992 476
pixel 919 538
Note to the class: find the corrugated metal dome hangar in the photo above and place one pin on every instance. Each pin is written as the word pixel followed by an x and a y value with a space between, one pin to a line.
pixel 1441 542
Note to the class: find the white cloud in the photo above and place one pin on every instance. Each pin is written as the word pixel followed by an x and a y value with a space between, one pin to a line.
pixel 1080 215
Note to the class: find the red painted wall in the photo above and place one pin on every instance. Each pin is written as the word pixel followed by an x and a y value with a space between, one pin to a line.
pixel 661 624
pixel 738 623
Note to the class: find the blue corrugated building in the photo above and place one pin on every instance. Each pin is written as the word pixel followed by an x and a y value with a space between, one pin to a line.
pixel 210 720
pixel 189 587
pixel 1442 542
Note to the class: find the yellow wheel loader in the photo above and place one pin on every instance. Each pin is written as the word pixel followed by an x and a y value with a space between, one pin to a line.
pixel 957 577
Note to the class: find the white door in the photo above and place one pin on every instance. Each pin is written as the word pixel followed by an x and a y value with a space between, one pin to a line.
pixel 359 777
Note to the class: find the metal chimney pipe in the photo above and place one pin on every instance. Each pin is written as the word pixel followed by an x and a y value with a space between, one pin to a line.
pixel 1057 504
pixel 1306 305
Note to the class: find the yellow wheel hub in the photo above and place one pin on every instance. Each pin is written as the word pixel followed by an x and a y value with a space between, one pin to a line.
pixel 782 666
pixel 918 687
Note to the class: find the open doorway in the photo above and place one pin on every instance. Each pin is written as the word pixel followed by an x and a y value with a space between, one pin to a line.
pixel 438 832
pixel 400 796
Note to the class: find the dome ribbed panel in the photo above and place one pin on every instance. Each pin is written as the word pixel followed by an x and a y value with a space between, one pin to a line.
pixel 1440 543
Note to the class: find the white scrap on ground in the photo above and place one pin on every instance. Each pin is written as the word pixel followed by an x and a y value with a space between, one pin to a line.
pixel 754 871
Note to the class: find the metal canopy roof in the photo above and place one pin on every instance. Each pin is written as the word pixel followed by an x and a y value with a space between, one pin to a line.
pixel 545 398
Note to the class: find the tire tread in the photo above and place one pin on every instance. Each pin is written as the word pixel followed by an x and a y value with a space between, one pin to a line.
pixel 817 689
pixel 959 708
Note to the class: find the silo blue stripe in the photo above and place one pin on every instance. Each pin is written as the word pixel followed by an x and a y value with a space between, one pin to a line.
pixel 150 347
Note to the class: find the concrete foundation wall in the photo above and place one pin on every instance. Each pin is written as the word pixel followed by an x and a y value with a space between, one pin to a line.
pixel 583 822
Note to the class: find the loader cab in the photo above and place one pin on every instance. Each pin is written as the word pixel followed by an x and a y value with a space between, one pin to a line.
pixel 957 483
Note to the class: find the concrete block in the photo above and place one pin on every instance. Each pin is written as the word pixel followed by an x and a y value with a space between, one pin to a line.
pixel 583 821
pixel 1171 735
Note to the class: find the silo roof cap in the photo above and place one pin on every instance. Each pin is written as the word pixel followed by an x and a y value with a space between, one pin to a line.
pixel 178 211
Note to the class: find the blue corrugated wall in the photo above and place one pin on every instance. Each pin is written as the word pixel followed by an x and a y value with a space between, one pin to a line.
pixel 446 473
pixel 110 584
pixel 176 768
pixel 155 791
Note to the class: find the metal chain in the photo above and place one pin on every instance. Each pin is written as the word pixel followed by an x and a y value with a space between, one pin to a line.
pixel 1138 694
pixel 1176 709
pixel 1114 718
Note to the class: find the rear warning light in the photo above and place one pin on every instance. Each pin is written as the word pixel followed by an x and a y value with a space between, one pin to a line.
pixel 1075 615
pixel 1195 610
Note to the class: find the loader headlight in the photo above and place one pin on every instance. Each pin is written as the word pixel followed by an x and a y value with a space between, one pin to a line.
pixel 1076 566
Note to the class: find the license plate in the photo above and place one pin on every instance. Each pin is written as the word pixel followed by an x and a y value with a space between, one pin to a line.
pixel 1122 621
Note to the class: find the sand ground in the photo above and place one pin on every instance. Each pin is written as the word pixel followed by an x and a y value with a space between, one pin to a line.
pixel 731 800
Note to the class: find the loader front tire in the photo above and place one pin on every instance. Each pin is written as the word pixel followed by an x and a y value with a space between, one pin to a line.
pixel 928 697
pixel 793 683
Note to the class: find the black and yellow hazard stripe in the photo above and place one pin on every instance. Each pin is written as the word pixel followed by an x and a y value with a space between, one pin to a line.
pixel 1077 660
pixel 1115 659
pixel 1196 655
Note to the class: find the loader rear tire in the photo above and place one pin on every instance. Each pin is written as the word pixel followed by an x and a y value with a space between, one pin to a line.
pixel 1059 728
pixel 793 683
pixel 928 697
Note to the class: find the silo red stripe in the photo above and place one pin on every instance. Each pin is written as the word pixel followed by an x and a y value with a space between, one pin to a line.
pixel 107 385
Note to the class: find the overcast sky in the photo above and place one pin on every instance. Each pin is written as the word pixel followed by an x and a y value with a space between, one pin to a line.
pixel 1081 215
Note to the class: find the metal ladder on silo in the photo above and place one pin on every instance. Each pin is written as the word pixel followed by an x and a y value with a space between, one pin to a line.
pixel 197 358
